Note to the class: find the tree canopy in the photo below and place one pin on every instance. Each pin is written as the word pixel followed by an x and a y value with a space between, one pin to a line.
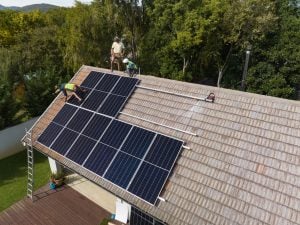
pixel 201 41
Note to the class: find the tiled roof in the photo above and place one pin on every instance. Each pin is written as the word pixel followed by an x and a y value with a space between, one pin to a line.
pixel 243 166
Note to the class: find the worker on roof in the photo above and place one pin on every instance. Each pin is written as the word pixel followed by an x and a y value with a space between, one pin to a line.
pixel 131 68
pixel 69 89
pixel 117 52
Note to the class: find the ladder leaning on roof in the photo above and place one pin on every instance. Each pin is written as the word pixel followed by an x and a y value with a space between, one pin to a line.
pixel 30 163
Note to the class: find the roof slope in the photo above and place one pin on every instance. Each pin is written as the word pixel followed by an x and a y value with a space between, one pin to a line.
pixel 243 165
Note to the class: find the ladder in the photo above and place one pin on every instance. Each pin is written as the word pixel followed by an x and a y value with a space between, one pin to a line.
pixel 30 163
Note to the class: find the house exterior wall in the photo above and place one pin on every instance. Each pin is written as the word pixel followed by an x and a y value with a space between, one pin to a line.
pixel 10 138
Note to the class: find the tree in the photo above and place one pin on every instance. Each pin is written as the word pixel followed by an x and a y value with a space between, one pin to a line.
pixel 39 91
pixel 244 23
pixel 9 107
pixel 280 52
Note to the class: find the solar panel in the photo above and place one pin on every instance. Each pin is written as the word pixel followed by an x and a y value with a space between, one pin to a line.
pixel 106 93
pixel 49 134
pixel 73 100
pixel 138 142
pixel 116 133
pixel 100 159
pixel 122 169
pixel 94 100
pixel 96 126
pixel 133 158
pixel 137 217
pixel 125 86
pixel 107 82
pixel 151 177
pixel 64 114
pixel 92 79
pixel 76 153
pixel 64 141
pixel 112 105
pixel 164 151
pixel 79 120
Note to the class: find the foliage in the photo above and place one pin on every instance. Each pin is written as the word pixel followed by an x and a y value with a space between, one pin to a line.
pixel 40 88
pixel 279 75
pixel 8 105
pixel 191 40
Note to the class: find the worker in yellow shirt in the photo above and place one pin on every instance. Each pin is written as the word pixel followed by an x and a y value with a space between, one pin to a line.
pixel 70 89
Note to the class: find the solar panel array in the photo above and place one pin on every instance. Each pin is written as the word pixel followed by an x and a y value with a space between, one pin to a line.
pixel 133 158
pixel 105 93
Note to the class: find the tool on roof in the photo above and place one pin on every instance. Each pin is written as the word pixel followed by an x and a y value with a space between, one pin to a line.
pixel 210 97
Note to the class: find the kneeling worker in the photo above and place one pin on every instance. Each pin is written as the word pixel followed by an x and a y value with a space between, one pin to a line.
pixel 131 68
pixel 70 88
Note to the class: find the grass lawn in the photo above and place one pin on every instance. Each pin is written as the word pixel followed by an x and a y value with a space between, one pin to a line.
pixel 13 177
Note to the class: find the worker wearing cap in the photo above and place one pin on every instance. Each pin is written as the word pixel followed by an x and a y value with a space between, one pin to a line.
pixel 117 51
pixel 131 68
pixel 69 88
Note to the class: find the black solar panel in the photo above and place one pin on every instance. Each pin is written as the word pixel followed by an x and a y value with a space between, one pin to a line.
pixel 112 105
pixel 151 177
pixel 79 120
pixel 94 100
pixel 138 142
pixel 125 86
pixel 76 153
pixel 107 82
pixel 138 217
pixel 92 79
pixel 105 93
pixel 100 158
pixel 73 100
pixel 122 169
pixel 164 151
pixel 96 126
pixel 65 114
pixel 49 134
pixel 135 159
pixel 115 134
pixel 64 141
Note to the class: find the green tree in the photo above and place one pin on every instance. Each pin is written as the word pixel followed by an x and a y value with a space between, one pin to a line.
pixel 9 107
pixel 244 23
pixel 279 75
pixel 39 91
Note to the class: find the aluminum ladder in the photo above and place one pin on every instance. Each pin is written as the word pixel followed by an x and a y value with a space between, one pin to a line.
pixel 30 164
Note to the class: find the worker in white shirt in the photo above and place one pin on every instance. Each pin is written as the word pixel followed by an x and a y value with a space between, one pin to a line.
pixel 117 52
